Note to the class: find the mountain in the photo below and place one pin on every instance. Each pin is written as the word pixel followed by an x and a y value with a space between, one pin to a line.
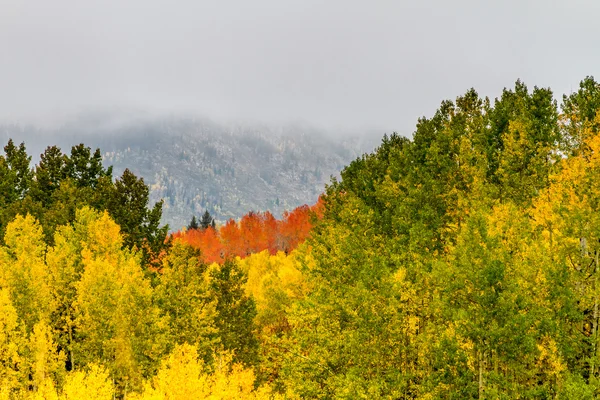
pixel 196 164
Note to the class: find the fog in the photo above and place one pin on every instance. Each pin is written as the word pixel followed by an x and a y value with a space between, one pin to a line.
pixel 341 64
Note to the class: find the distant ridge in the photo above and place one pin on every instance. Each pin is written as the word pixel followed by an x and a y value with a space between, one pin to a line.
pixel 196 164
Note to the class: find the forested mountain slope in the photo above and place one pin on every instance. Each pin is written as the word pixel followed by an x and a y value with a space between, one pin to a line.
pixel 461 263
pixel 197 165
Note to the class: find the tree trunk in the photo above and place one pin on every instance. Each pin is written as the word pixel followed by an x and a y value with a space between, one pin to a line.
pixel 71 346
pixel 595 320
pixel 480 356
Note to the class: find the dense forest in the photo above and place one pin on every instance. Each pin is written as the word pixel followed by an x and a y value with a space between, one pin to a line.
pixel 461 263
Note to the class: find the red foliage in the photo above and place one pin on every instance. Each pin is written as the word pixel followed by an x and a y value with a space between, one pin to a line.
pixel 254 233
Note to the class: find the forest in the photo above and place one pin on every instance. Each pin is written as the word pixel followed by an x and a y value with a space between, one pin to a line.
pixel 460 263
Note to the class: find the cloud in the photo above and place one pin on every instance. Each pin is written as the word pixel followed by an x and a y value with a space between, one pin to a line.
pixel 353 64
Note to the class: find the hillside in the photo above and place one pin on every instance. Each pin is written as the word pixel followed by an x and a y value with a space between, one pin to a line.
pixel 197 165
pixel 461 263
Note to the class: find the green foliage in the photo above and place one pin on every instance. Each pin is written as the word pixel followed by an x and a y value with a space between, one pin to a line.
pixel 235 311
pixel 184 297
pixel 193 223
pixel 61 184
pixel 206 220
pixel 580 110
pixel 428 250
pixel 461 263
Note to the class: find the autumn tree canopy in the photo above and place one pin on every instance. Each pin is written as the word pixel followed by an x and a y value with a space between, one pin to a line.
pixel 460 263
pixel 253 233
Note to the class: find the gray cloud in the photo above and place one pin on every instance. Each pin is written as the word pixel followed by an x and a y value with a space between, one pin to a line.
pixel 346 63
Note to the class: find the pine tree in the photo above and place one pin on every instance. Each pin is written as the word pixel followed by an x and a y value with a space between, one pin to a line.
pixel 193 223
pixel 206 220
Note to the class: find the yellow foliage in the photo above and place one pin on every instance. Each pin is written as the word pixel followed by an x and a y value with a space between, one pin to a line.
pixel 93 384
pixel 549 359
pixel 113 305
pixel 46 361
pixel 24 272
pixel 9 344
pixel 274 281
pixel 182 377
pixel 269 272
pixel 103 235
pixel 45 391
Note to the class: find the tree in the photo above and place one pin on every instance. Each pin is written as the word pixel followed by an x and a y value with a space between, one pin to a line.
pixel 11 342
pixel 525 125
pixel 84 167
pixel 19 164
pixel 46 362
pixel 182 376
pixel 23 271
pixel 49 174
pixel 206 221
pixel 235 312
pixel 185 300
pixel 193 223
pixel 353 309
pixel 93 383
pixel 579 115
pixel 496 289
pixel 116 321
pixel 127 204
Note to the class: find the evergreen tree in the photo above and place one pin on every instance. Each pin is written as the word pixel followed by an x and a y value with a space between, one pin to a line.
pixel 84 167
pixel 206 220
pixel 127 203
pixel 18 162
pixel 193 223
pixel 49 174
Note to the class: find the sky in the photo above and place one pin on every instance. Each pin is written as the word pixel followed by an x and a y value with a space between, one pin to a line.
pixel 341 64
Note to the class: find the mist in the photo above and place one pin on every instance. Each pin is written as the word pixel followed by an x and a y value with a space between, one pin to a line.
pixel 338 64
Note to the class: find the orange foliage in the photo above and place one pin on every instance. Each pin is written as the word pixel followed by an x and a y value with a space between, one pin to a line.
pixel 254 233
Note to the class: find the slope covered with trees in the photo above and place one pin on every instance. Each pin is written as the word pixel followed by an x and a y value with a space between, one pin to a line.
pixel 194 164
pixel 460 263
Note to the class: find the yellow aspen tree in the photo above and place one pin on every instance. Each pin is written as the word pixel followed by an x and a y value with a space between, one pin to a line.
pixel 45 391
pixel 24 272
pixel 568 215
pixel 116 322
pixel 47 364
pixel 11 341
pixel 65 266
pixel 274 281
pixel 94 383
pixel 182 376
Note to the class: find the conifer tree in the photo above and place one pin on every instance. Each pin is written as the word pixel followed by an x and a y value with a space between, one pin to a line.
pixel 193 223
pixel 206 220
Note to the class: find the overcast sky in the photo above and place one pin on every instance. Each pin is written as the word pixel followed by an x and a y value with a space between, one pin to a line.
pixel 354 64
